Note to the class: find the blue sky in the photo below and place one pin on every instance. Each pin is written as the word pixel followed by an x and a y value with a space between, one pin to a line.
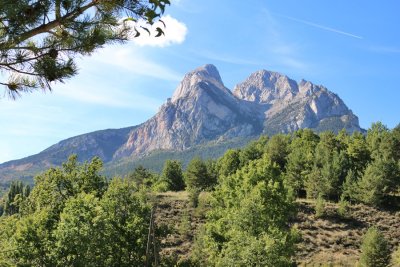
pixel 351 47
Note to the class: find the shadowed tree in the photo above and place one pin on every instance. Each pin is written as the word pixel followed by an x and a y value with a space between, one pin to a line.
pixel 172 174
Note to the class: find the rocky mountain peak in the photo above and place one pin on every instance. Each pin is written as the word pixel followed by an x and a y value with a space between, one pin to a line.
pixel 203 111
pixel 189 86
pixel 266 87
pixel 208 71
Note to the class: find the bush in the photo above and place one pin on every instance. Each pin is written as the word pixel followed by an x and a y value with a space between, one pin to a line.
pixel 375 250
pixel 194 197
pixel 343 209
pixel 161 186
pixel 320 207
pixel 396 258
pixel 184 226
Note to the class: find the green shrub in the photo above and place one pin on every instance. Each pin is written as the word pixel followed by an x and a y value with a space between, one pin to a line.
pixel 194 197
pixel 343 208
pixel 320 207
pixel 184 225
pixel 375 250
pixel 396 258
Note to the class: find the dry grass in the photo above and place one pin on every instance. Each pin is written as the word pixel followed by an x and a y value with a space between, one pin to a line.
pixel 327 241
pixel 178 221
pixel 335 241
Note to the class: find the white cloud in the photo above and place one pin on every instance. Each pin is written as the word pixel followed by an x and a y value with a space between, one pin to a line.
pixel 131 59
pixel 115 98
pixel 174 33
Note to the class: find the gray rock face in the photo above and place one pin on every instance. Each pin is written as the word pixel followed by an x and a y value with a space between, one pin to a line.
pixel 266 87
pixel 201 110
pixel 290 106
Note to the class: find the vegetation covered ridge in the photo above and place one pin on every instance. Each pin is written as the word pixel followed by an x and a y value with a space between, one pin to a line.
pixel 238 210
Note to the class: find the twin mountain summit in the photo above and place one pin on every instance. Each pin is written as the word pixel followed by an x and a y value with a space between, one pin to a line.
pixel 203 112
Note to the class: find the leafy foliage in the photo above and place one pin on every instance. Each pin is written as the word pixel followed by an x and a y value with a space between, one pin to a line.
pixel 375 250
pixel 320 207
pixel 73 217
pixel 14 198
pixel 247 225
pixel 173 175
pixel 40 39
pixel 197 175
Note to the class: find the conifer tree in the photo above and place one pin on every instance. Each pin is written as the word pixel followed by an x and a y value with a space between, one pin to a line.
pixel 39 39
pixel 172 174
pixel 14 197
pixel 375 250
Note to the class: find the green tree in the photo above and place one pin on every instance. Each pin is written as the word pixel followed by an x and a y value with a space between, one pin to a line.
pixel 142 176
pixel 278 149
pixel 78 240
pixel 127 219
pixel 229 162
pixel 320 207
pixel 17 193
pixel 197 176
pixel 358 152
pixel 329 169
pixel 300 160
pixel 39 39
pixel 248 222
pixel 375 136
pixel 254 150
pixel 73 218
pixel 375 250
pixel 396 142
pixel 350 187
pixel 172 174
pixel 381 178
pixel 56 185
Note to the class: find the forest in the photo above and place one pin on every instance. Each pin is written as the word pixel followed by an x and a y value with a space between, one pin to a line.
pixel 74 216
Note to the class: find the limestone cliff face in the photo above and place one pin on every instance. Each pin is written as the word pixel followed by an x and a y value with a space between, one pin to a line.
pixel 201 109
pixel 290 106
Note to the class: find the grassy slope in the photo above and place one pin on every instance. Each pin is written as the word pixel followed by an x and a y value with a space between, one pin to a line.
pixel 329 240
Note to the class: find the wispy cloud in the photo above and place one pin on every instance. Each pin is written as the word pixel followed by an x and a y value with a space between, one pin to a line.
pixel 285 53
pixel 227 58
pixel 319 26
pixel 131 59
pixel 103 96
pixel 385 49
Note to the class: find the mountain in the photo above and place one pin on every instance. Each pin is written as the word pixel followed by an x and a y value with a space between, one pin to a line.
pixel 204 113
pixel 201 109
pixel 290 106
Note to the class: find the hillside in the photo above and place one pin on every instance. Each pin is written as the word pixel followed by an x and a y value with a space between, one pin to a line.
pixel 201 114
pixel 330 240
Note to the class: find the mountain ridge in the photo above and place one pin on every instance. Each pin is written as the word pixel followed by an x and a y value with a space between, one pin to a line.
pixel 203 110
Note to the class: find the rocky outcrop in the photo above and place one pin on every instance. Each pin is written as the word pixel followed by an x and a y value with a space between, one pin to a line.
pixel 201 110
pixel 289 106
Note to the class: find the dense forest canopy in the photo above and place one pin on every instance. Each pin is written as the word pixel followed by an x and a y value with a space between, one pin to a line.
pixel 75 217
